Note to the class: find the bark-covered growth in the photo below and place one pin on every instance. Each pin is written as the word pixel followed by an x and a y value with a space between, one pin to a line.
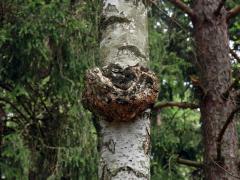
pixel 118 93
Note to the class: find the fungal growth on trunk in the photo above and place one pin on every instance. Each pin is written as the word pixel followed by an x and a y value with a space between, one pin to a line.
pixel 119 93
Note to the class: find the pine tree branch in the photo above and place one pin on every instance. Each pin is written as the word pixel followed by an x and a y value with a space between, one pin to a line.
pixel 233 12
pixel 14 107
pixel 182 105
pixel 181 5
pixel 189 163
pixel 9 88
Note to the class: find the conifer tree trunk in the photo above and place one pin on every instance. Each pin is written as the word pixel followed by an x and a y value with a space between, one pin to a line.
pixel 218 103
pixel 122 91
pixel 212 42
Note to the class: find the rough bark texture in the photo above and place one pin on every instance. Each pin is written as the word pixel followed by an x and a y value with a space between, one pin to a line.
pixel 119 94
pixel 211 36
pixel 125 86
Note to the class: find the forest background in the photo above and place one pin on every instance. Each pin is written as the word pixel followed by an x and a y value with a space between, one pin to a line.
pixel 45 48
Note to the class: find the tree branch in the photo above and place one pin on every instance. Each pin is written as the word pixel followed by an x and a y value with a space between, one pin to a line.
pixel 189 163
pixel 14 107
pixel 183 105
pixel 233 12
pixel 181 5
pixel 9 88
pixel 174 20
pixel 222 132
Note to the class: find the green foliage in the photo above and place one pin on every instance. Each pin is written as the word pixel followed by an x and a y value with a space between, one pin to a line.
pixel 46 46
pixel 178 135
pixel 175 133
pixel 14 158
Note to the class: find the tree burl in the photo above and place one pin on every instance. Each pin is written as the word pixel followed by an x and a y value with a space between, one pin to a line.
pixel 119 94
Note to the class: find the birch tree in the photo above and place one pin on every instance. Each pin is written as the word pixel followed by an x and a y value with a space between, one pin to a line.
pixel 121 92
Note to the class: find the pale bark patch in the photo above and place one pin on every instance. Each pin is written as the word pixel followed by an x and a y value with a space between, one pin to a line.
pixel 128 158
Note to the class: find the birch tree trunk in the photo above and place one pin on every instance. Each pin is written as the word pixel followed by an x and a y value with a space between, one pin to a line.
pixel 122 91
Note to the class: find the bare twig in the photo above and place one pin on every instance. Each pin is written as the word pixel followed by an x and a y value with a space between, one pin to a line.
pixel 233 12
pixel 10 88
pixel 189 163
pixel 183 105
pixel 181 5
pixel 37 94
pixel 24 104
pixel 171 18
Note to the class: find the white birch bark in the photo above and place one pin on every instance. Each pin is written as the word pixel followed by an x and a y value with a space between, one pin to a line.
pixel 124 146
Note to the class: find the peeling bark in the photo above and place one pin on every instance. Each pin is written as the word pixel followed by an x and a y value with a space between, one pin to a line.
pixel 121 92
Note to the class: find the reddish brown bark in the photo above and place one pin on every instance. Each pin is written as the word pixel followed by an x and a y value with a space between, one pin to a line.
pixel 218 103
pixel 211 37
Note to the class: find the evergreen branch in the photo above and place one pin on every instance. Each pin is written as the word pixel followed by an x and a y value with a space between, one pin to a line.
pixel 24 105
pixel 169 17
pixel 9 88
pixel 181 5
pixel 13 106
pixel 189 163
pixel 233 12
pixel 37 94
pixel 182 105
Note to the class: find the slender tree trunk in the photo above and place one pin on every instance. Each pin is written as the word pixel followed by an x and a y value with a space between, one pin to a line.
pixel 122 91
pixel 212 43
pixel 124 152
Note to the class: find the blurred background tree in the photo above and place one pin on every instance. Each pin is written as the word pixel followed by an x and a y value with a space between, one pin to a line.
pixel 45 48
